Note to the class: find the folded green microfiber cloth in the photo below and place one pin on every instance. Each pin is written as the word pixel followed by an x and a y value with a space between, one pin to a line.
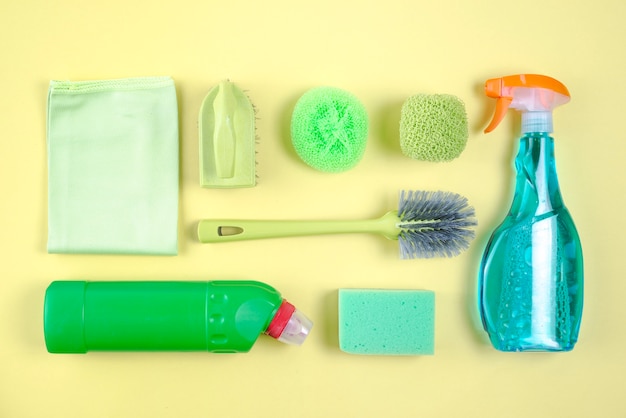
pixel 113 166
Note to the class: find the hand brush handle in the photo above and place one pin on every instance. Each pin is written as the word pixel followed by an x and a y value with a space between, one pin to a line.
pixel 223 230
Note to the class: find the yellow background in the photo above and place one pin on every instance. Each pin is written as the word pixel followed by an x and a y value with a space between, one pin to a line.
pixel 382 52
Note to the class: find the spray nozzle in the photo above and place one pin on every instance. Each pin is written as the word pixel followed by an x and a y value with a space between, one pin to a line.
pixel 532 94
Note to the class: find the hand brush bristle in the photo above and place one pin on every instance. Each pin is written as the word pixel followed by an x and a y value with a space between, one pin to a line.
pixel 434 224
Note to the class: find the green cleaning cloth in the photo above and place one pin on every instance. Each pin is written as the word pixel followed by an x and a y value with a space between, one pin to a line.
pixel 113 166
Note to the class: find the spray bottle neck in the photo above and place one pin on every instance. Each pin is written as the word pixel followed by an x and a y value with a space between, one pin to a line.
pixel 537 121
pixel 537 189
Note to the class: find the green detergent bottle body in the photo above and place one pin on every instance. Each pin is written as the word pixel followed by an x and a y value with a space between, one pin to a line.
pixel 215 316
pixel 531 275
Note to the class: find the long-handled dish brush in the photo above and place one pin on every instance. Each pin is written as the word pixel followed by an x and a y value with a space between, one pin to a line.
pixel 427 224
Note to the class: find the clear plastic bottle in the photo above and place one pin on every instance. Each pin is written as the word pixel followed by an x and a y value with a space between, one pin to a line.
pixel 531 274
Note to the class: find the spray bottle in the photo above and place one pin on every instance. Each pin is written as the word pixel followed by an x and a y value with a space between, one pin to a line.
pixel 531 274
pixel 217 316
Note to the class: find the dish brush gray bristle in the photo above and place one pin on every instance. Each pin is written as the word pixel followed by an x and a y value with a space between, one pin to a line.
pixel 434 224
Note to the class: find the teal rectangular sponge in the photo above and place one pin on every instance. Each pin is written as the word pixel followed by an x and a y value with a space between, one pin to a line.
pixel 387 322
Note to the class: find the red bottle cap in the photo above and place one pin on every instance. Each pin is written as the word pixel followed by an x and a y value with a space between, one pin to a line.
pixel 281 319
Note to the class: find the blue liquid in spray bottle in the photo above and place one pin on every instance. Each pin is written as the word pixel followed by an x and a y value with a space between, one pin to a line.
pixel 531 274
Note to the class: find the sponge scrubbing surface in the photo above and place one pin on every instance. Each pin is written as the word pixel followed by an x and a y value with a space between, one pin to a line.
pixel 329 129
pixel 386 322
pixel 433 127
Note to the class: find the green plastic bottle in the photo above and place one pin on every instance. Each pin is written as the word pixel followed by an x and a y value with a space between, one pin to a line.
pixel 531 275
pixel 214 316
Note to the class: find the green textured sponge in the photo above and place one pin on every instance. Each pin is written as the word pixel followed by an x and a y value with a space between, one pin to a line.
pixel 433 127
pixel 386 322
pixel 329 129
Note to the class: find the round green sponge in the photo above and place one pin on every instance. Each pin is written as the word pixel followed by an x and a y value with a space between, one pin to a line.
pixel 329 129
pixel 433 127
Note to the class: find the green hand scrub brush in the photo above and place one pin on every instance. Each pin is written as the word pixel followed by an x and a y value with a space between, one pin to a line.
pixel 426 224
pixel 329 129
pixel 433 127
pixel 227 138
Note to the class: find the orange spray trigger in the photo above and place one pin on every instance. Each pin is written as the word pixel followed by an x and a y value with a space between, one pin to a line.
pixel 502 105
pixel 494 88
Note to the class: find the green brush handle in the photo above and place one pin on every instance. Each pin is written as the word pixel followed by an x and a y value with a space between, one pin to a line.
pixel 223 230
